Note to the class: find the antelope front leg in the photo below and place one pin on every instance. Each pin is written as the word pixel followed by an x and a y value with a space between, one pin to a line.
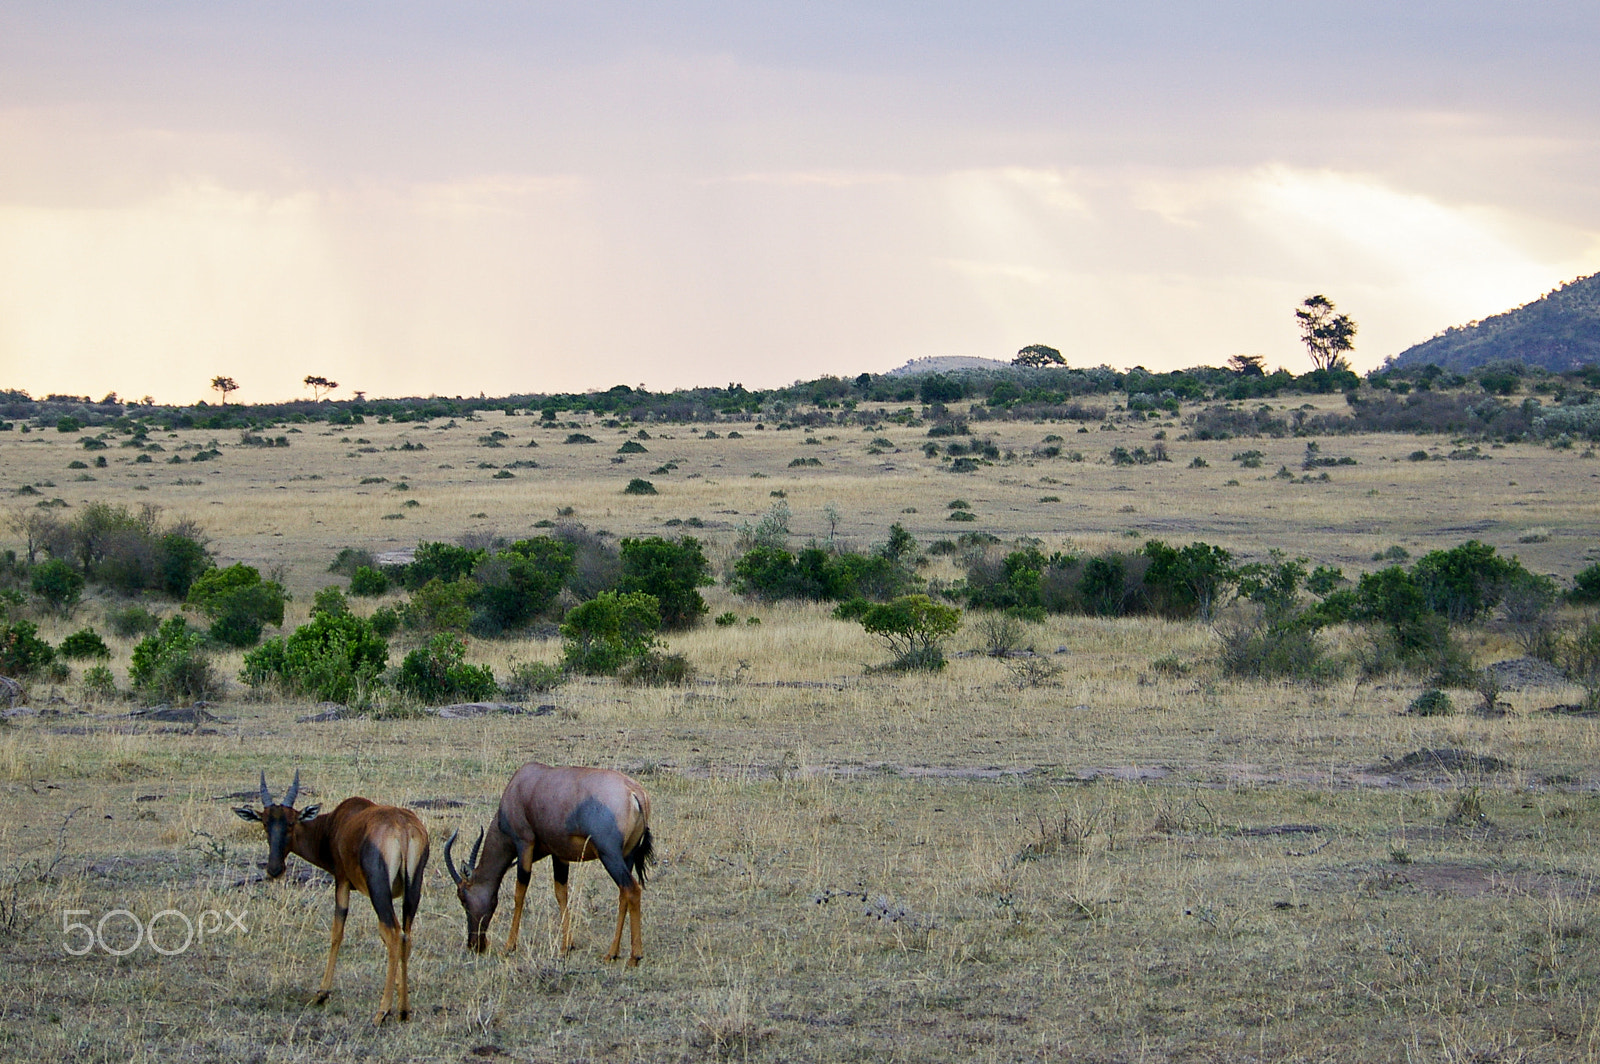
pixel 524 873
pixel 341 909
pixel 559 870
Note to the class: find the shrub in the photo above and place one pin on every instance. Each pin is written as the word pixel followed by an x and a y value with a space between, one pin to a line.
pixel 98 682
pixel 129 621
pixel 1586 586
pixel 1431 703
pixel 330 600
pixel 58 584
pixel 913 627
pixel 333 657
pixel 441 561
pixel 639 486
pixel 439 606
pixel 22 651
pixel 238 602
pixel 726 620
pixel 532 677
pixel 349 559
pixel 439 673
pixel 656 669
pixel 519 583
pixel 1187 581
pixel 385 621
pixel 368 582
pixel 1464 582
pixel 172 664
pixel 1263 647
pixel 1580 655
pixel 670 572
pixel 84 644
pixel 612 628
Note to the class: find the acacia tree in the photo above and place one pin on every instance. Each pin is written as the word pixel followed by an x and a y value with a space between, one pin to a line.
pixel 1248 365
pixel 320 387
pixel 224 385
pixel 1327 335
pixel 913 626
pixel 1037 356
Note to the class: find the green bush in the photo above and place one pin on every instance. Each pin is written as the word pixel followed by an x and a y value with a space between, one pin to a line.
pixel 516 585
pixel 441 561
pixel 1586 586
pixel 58 583
pixel 1276 647
pixel 657 670
pixel 1431 703
pixel 611 629
pixel 333 657
pixel 330 600
pixel 439 606
pixel 98 682
pixel 670 572
pixel 22 651
pixel 439 673
pixel 532 677
pixel 239 603
pixel 385 621
pixel 172 664
pixel 913 627
pixel 1465 582
pixel 368 582
pixel 640 486
pixel 129 621
pixel 84 644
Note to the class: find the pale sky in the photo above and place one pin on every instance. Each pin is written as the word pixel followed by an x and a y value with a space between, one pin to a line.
pixel 454 198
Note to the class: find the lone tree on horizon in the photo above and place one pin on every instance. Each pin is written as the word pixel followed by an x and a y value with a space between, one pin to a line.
pixel 1037 356
pixel 1248 365
pixel 224 385
pixel 320 387
pixel 1327 335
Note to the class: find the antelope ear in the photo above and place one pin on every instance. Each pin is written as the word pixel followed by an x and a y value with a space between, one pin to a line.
pixel 247 814
pixel 309 813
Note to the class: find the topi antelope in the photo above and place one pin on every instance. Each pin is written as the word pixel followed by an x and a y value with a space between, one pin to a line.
pixel 568 814
pixel 380 850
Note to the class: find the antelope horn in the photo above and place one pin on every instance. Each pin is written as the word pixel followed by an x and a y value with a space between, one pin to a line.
pixel 448 863
pixel 266 795
pixel 476 846
pixel 294 790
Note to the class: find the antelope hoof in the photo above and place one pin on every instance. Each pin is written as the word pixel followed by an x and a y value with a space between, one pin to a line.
pixel 610 957
pixel 321 998
pixel 511 947
pixel 377 1021
pixel 405 1015
pixel 633 962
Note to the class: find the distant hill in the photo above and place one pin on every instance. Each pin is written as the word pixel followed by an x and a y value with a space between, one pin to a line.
pixel 1559 331
pixel 946 364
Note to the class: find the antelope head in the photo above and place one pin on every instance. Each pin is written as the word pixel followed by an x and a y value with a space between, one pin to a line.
pixel 478 899
pixel 280 821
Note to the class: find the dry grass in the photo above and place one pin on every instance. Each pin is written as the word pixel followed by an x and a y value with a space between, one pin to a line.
pixel 1118 865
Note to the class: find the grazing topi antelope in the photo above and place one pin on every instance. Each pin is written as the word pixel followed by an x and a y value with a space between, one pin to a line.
pixel 380 850
pixel 568 814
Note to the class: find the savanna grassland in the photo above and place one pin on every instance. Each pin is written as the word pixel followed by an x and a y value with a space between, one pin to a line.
pixel 1136 858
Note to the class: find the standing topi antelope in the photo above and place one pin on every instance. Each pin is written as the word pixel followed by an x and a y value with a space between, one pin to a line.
pixel 380 850
pixel 568 814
